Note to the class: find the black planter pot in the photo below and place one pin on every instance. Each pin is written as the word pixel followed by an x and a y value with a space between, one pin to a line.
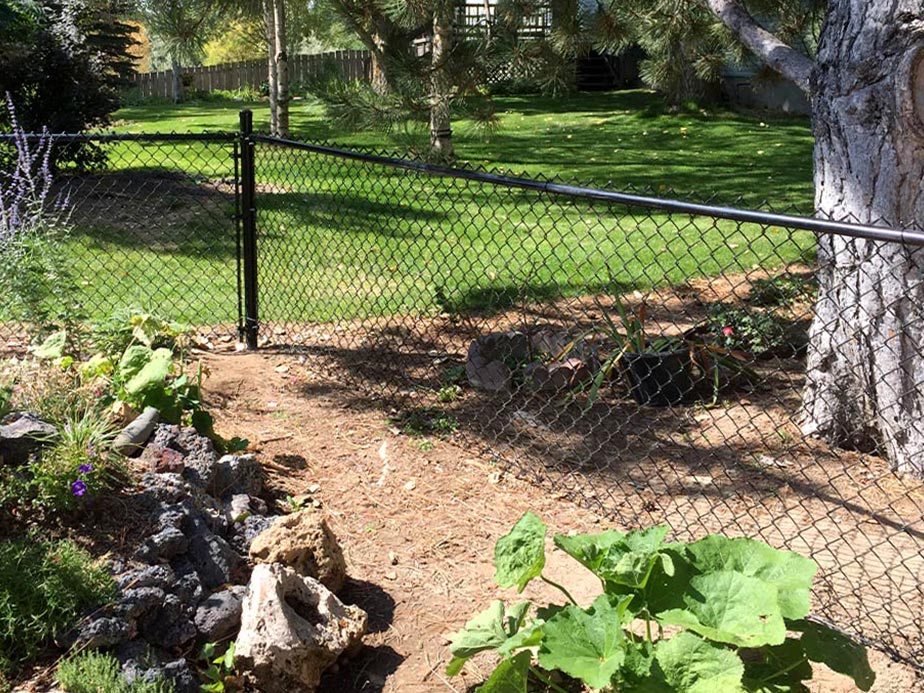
pixel 660 378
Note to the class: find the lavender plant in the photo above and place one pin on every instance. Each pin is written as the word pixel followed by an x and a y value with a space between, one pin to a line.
pixel 34 223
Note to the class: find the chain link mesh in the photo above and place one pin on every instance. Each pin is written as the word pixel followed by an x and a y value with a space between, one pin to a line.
pixel 490 312
pixel 152 228
pixel 487 311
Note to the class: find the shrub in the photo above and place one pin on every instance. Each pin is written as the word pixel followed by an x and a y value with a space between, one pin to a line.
pixel 720 615
pixel 782 290
pixel 94 672
pixel 744 329
pixel 33 226
pixel 45 587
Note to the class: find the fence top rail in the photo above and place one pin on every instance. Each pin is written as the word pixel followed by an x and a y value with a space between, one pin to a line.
pixel 824 226
pixel 125 137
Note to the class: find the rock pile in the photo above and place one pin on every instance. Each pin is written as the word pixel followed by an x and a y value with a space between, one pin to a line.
pixel 185 585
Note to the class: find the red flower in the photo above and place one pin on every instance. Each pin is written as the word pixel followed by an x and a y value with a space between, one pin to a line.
pixel 728 330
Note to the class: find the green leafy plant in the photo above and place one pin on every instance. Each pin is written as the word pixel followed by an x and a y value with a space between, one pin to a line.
pixel 743 329
pixel 449 393
pixel 718 615
pixel 425 421
pixel 78 466
pixel 782 290
pixel 704 362
pixel 45 587
pixel 95 672
pixel 218 668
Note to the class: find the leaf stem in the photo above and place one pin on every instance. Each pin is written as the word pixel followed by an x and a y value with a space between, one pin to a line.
pixel 560 588
pixel 547 681
pixel 785 670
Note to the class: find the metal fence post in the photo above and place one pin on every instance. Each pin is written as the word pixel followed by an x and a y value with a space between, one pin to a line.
pixel 249 229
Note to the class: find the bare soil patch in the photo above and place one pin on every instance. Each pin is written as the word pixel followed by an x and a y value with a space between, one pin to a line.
pixel 418 523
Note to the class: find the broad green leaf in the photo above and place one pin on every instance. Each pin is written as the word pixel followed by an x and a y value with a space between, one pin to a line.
pixel 153 374
pixel 145 328
pixel 689 664
pixel 778 669
pixel 836 651
pixel 589 645
pixel 133 360
pixel 525 637
pixel 53 347
pixel 637 667
pixel 488 630
pixel 520 555
pixel 789 572
pixel 510 676
pixel 729 607
pixel 97 365
pixel 620 559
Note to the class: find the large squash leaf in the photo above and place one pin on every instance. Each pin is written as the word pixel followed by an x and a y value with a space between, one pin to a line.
pixel 587 644
pixel 789 572
pixel 489 630
pixel 153 374
pixel 727 606
pixel 510 676
pixel 621 560
pixel 519 556
pixel 688 664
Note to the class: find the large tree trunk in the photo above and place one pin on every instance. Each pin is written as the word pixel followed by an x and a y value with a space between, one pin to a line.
pixel 441 83
pixel 176 70
pixel 379 51
pixel 269 24
pixel 865 369
pixel 282 70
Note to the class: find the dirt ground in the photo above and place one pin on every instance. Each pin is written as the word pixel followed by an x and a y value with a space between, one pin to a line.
pixel 417 518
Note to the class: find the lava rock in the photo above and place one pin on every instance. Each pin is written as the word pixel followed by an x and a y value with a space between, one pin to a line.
pixel 304 542
pixel 160 459
pixel 169 627
pixel 161 576
pixel 200 458
pixel 105 632
pixel 219 615
pixel 167 543
pixel 138 601
pixel 22 435
pixel 237 474
pixel 216 562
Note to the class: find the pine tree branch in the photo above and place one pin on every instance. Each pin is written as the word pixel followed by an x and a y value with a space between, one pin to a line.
pixel 771 50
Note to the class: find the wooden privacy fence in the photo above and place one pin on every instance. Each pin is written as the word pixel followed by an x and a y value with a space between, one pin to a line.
pixel 352 65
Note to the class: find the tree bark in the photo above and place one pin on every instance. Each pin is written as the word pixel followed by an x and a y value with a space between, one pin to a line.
pixel 282 70
pixel 269 23
pixel 441 83
pixel 176 70
pixel 379 52
pixel 865 369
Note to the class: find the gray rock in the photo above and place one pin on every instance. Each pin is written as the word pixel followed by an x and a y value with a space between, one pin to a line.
pixel 292 629
pixel 245 532
pixel 105 632
pixel 138 601
pixel 558 375
pixel 169 626
pixel 161 576
pixel 216 562
pixel 219 615
pixel 237 474
pixel 189 588
pixel 200 458
pixel 165 436
pixel 162 489
pixel 485 374
pixel 509 347
pixel 184 680
pixel 167 543
pixel 133 437
pixel 23 435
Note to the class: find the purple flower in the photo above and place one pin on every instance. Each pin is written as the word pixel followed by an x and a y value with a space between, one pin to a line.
pixel 78 488
pixel 85 468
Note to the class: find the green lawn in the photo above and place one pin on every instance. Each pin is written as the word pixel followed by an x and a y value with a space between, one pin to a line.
pixel 342 239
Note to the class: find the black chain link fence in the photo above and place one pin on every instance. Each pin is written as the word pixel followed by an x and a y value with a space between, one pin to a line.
pixel 641 355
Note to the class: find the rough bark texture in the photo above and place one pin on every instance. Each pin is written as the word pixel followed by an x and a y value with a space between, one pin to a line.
pixel 177 77
pixel 865 369
pixel 777 55
pixel 269 24
pixel 441 83
pixel 282 70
